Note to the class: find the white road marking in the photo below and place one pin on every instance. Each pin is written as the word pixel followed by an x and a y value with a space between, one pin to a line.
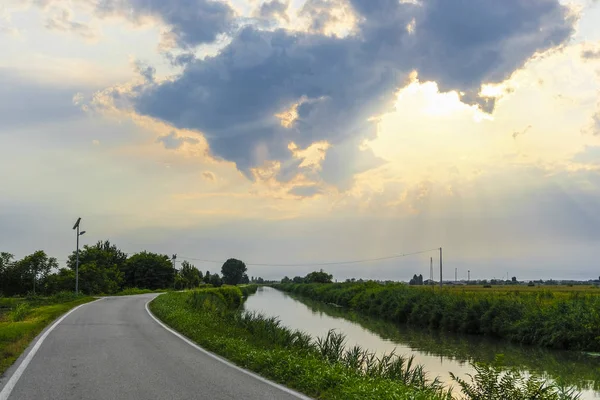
pixel 224 361
pixel 10 385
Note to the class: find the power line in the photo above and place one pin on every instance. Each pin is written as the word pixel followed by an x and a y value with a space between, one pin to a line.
pixel 319 264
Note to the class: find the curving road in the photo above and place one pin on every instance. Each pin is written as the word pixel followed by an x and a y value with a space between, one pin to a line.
pixel 113 349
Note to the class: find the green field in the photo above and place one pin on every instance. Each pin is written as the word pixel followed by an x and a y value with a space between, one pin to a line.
pixel 21 320
pixel 560 317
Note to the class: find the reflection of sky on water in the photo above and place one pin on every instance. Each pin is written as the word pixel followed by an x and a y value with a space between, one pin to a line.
pixel 443 356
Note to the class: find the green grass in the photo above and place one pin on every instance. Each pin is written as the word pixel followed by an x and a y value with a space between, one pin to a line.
pixel 324 368
pixel 292 358
pixel 134 291
pixel 559 317
pixel 21 320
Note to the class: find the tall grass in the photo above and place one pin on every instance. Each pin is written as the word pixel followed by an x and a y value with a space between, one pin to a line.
pixel 554 319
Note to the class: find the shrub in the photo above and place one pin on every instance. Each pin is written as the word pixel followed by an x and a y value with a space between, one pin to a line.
pixel 20 312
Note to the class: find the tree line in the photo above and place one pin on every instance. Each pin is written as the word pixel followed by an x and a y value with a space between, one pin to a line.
pixel 105 269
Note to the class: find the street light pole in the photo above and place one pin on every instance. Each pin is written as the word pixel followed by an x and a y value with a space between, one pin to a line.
pixel 76 226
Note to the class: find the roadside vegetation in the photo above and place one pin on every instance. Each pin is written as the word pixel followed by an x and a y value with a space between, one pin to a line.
pixel 559 319
pixel 22 319
pixel 323 368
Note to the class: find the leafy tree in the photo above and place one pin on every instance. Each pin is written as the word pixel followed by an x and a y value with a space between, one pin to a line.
pixel 215 280
pixel 104 254
pixel 95 279
pixel 189 275
pixel 245 279
pixel 6 260
pixel 260 280
pixel 63 280
pixel 286 280
pixel 318 277
pixel 206 277
pixel 149 271
pixel 26 275
pixel 514 279
pixel 298 279
pixel 233 270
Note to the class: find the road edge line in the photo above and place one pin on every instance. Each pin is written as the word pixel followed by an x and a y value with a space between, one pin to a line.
pixel 223 360
pixel 12 381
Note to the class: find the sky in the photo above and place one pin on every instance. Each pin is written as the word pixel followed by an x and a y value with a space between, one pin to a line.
pixel 294 133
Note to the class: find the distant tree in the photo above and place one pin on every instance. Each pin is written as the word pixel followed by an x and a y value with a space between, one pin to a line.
pixel 245 279
pixel 99 279
pixel 190 276
pixel 286 280
pixel 26 275
pixel 514 279
pixel 103 253
pixel 318 277
pixel 215 280
pixel 149 271
pixel 416 280
pixel 233 270
pixel 63 280
pixel 206 277
pixel 298 279
pixel 260 280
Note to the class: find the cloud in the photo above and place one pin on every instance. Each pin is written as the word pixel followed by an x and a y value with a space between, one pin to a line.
pixel 28 102
pixel 62 20
pixel 590 53
pixel 305 191
pixel 209 176
pixel 519 133
pixel 274 9
pixel 172 141
pixel 191 22
pixel 146 71
pixel 233 98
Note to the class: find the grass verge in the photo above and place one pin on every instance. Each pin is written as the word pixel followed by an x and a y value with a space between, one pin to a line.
pixel 21 320
pixel 324 368
pixel 290 358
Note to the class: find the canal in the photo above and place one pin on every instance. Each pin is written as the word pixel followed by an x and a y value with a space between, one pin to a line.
pixel 439 353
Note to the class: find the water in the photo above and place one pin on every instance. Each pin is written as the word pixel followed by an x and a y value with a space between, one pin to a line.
pixel 439 353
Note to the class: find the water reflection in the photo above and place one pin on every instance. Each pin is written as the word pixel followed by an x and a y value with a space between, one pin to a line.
pixel 438 352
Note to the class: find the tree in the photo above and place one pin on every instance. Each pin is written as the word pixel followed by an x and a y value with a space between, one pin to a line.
pixel 216 280
pixel 97 279
pixel 6 260
pixel 26 275
pixel 149 271
pixel 207 277
pixel 63 280
pixel 286 280
pixel 245 279
pixel 233 270
pixel 103 261
pixel 260 280
pixel 318 277
pixel 190 276
pixel 298 279
pixel 514 279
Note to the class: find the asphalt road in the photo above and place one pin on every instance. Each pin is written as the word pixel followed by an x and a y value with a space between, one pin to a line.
pixel 113 349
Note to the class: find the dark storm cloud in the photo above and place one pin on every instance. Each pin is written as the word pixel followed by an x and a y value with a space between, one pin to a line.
pixel 233 97
pixel 193 22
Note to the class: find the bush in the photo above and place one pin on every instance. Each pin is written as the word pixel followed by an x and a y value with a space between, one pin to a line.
pixel 20 312
pixel 549 318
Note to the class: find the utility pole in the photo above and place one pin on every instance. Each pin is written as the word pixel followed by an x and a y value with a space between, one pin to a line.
pixel 441 275
pixel 431 270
